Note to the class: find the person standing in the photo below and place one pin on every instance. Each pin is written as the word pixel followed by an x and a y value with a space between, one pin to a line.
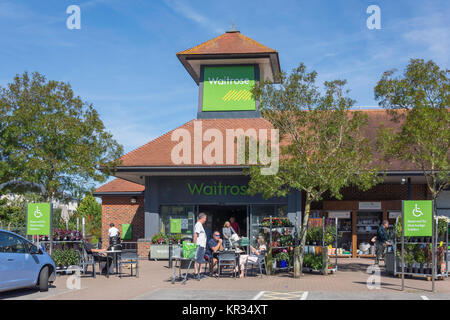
pixel 227 232
pixel 235 226
pixel 200 241
pixel 113 232
pixel 382 240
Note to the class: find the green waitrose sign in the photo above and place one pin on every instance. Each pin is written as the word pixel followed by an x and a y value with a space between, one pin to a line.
pixel 228 88
pixel 418 218
pixel 38 219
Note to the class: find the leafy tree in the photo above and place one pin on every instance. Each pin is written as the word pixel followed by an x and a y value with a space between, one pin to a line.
pixel 419 100
pixel 12 210
pixel 91 210
pixel 323 148
pixel 52 138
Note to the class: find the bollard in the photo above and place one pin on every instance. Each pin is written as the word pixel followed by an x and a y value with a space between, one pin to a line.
pixel 170 253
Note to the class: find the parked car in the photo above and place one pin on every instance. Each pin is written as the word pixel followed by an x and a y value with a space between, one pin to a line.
pixel 23 264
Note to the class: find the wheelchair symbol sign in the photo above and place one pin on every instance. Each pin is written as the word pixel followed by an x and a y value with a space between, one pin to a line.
pixel 417 212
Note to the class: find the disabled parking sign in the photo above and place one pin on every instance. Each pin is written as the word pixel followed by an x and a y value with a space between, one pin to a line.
pixel 38 219
pixel 418 218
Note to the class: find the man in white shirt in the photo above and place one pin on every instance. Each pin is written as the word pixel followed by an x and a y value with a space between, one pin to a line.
pixel 200 241
pixel 113 232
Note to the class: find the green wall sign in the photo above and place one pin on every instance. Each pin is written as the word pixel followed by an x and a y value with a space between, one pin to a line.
pixel 175 225
pixel 228 88
pixel 418 218
pixel 217 189
pixel 38 219
pixel 127 231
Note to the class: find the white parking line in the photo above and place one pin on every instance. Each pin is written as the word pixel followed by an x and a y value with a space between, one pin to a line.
pixel 304 295
pixel 425 298
pixel 258 295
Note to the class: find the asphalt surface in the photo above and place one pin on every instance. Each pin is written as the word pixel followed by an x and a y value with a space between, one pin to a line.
pixel 175 294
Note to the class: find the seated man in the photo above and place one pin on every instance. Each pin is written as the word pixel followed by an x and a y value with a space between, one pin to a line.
pixel 214 244
pixel 99 256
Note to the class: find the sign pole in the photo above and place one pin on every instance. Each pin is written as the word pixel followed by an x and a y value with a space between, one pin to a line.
pixel 433 245
pixel 335 251
pixel 403 247
pixel 51 229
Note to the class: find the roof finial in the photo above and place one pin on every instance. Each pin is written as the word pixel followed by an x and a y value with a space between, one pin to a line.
pixel 233 28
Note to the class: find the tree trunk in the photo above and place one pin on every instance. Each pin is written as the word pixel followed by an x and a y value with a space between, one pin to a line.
pixel 297 264
pixel 269 261
pixel 301 249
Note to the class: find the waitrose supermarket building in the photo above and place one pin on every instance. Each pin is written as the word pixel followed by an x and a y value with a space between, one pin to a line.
pixel 159 183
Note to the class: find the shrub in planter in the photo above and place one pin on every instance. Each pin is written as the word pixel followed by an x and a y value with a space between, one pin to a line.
pixel 159 238
pixel 64 258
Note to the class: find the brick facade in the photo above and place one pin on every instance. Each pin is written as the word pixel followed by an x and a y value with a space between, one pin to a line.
pixel 119 210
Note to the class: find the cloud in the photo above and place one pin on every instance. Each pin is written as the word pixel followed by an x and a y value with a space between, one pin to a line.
pixel 435 41
pixel 189 13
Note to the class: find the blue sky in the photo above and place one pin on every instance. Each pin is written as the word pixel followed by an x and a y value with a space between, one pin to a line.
pixel 123 58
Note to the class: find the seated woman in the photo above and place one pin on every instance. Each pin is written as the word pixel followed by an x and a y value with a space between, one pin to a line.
pixel 253 257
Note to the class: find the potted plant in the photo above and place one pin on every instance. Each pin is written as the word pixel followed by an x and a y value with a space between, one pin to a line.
pixel 442 227
pixel 409 258
pixel 282 258
pixel 420 257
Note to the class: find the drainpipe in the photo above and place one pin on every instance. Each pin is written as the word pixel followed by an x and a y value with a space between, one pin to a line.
pixel 409 188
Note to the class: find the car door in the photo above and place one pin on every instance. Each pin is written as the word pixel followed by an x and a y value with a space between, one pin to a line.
pixel 12 258
pixel 32 264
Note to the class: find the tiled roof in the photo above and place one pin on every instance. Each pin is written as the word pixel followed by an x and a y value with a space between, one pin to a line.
pixel 228 43
pixel 120 185
pixel 158 152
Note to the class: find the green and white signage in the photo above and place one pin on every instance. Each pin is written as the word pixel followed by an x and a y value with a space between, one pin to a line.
pixel 418 218
pixel 228 88
pixel 38 219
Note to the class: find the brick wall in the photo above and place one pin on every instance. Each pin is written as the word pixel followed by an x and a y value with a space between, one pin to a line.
pixel 143 248
pixel 120 210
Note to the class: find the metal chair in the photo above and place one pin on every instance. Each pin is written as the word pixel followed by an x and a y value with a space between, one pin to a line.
pixel 86 260
pixel 226 260
pixel 260 263
pixel 129 258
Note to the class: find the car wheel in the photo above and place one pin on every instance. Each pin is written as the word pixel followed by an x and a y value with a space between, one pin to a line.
pixel 43 279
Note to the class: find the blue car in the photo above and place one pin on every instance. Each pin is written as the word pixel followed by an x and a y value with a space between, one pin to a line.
pixel 23 264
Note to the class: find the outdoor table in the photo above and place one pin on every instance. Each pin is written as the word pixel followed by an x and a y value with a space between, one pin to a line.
pixel 236 254
pixel 114 264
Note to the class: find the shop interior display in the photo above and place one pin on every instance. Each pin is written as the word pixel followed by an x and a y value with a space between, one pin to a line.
pixel 367 224
pixel 344 246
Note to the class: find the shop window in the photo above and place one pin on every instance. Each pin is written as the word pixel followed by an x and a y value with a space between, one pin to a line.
pixel 180 218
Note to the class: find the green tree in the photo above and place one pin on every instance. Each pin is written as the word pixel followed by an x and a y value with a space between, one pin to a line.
pixel 419 101
pixel 52 138
pixel 91 210
pixel 324 148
